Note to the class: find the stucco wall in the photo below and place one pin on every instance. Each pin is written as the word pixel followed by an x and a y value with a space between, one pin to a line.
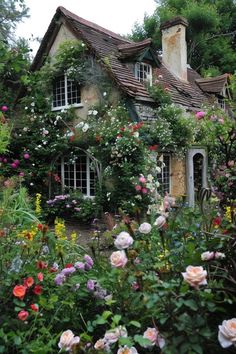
pixel 89 93
pixel 178 177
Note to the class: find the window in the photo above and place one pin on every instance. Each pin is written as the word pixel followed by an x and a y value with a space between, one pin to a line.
pixel 78 175
pixel 143 72
pixel 66 92
pixel 164 176
pixel 221 102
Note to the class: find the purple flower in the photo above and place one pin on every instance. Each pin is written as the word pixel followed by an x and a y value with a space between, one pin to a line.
pixel 68 271
pixel 79 265
pixel 4 108
pixel 59 279
pixel 91 284
pixel 88 260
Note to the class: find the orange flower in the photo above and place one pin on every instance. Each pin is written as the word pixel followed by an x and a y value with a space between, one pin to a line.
pixel 22 315
pixel 19 291
pixel 28 282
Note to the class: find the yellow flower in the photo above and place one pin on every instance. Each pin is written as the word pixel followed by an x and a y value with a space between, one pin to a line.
pixel 38 208
pixel 60 229
pixel 73 236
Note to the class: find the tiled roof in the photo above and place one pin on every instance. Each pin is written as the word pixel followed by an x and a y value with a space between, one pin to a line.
pixel 213 84
pixel 112 50
pixel 187 94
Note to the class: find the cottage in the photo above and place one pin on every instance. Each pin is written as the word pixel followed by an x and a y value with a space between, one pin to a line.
pixel 131 66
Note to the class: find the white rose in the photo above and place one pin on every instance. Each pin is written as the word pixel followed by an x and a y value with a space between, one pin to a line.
pixel 118 259
pixel 145 228
pixel 85 128
pixel 66 340
pixel 127 350
pixel 195 276
pixel 160 221
pixel 123 240
pixel 227 333
pixel 207 256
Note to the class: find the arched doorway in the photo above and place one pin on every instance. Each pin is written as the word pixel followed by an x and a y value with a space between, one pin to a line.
pixel 196 173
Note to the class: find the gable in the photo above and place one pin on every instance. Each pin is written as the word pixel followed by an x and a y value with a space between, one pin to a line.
pixel 63 34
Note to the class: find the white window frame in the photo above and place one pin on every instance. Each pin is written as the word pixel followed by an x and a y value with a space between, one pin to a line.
pixel 74 187
pixel 162 172
pixel 147 68
pixel 221 102
pixel 66 106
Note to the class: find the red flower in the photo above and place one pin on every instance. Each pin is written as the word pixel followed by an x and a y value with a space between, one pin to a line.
pixel 153 147
pixel 216 221
pixel 34 307
pixel 68 265
pixel 19 291
pixel 41 265
pixel 38 289
pixel 40 276
pixel 22 315
pixel 28 282
pixel 40 227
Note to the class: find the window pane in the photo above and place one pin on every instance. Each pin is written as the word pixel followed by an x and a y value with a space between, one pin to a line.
pixel 164 176
pixel 73 92
pixel 59 92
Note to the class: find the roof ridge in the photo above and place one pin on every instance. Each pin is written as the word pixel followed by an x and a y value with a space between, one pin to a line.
pixel 213 78
pixel 135 44
pixel 90 24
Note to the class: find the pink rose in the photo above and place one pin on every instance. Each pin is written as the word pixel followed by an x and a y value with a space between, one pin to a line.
pixel 113 335
pixel 195 276
pixel 151 334
pixel 127 350
pixel 4 108
pixel 160 221
pixel 123 240
pixel 145 228
pixel 138 187
pixel 227 333
pixel 154 336
pixel 118 259
pixel 207 256
pixel 144 190
pixel 219 255
pixel 67 340
pixel 100 344
pixel 142 179
pixel 200 115
pixel 26 156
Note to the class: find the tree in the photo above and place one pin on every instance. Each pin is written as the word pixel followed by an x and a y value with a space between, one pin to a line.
pixel 12 12
pixel 211 34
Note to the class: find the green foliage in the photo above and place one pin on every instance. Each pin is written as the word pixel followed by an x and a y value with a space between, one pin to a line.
pixel 5 133
pixel 210 34
pixel 12 12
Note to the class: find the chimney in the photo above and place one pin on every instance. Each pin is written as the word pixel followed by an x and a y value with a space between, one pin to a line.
pixel 174 47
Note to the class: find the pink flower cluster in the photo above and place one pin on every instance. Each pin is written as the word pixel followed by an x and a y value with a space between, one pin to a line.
pixel 141 186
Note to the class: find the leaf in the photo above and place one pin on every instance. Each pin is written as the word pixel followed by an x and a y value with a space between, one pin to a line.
pixel 126 341
pixel 116 319
pixel 135 324
pixel 106 314
pixel 144 342
pixel 19 303
pixel 17 340
pixel 197 348
pixel 191 304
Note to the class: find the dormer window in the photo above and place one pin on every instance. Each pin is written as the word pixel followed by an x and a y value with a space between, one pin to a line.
pixel 66 92
pixel 143 72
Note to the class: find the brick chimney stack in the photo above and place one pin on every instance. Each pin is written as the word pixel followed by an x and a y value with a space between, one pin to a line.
pixel 174 47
